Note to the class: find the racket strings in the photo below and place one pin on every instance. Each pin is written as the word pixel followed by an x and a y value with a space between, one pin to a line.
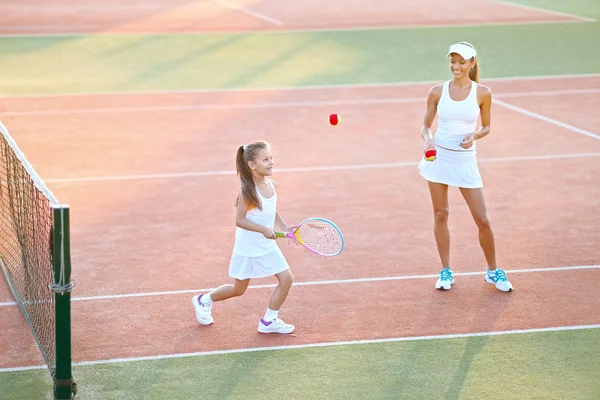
pixel 321 237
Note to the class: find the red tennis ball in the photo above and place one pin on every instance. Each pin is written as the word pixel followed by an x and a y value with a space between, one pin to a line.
pixel 334 119
pixel 430 155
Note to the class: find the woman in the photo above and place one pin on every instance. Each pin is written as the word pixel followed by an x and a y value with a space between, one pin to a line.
pixel 458 103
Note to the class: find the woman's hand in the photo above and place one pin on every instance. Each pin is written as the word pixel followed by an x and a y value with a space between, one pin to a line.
pixel 429 144
pixel 468 141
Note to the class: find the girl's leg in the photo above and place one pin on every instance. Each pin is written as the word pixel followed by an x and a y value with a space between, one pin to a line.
pixel 285 279
pixel 203 302
pixel 439 200
pixel 228 291
pixel 270 322
pixel 476 202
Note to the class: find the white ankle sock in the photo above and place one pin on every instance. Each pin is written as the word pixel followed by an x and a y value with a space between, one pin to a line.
pixel 206 300
pixel 270 315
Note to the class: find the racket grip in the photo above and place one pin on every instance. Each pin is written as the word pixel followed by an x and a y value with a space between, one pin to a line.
pixel 280 234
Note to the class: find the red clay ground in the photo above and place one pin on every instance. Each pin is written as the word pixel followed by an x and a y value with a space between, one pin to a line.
pixel 167 325
pixel 174 234
pixel 180 16
pixel 181 213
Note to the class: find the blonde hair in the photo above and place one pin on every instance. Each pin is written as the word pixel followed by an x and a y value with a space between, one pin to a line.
pixel 245 154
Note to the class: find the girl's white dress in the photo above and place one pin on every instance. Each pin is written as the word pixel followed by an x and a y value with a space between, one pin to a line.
pixel 255 256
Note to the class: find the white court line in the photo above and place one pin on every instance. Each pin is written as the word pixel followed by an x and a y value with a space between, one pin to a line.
pixel 542 10
pixel 74 7
pixel 248 11
pixel 309 169
pixel 327 282
pixel 299 30
pixel 294 88
pixel 547 119
pixel 317 345
pixel 269 105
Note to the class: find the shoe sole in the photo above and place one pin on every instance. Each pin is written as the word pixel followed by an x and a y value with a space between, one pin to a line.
pixel 283 333
pixel 440 287
pixel 491 282
pixel 194 302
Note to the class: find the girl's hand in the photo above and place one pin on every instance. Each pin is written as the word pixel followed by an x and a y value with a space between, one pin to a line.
pixel 429 145
pixel 290 228
pixel 269 233
pixel 468 141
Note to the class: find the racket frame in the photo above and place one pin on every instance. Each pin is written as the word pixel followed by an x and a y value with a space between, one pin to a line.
pixel 295 235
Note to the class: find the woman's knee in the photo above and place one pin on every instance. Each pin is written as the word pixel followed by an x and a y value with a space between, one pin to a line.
pixel 441 215
pixel 482 221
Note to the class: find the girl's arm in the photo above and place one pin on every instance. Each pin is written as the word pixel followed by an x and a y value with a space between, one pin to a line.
pixel 242 222
pixel 280 223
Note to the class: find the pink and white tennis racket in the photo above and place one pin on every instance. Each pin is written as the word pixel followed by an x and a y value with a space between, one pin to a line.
pixel 320 236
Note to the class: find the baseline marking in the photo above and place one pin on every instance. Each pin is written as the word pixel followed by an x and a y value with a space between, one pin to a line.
pixel 283 104
pixel 458 25
pixel 317 345
pixel 543 10
pixel 293 88
pixel 248 11
pixel 309 169
pixel 547 119
pixel 327 282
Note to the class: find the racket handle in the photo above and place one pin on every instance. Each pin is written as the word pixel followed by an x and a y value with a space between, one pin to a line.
pixel 280 234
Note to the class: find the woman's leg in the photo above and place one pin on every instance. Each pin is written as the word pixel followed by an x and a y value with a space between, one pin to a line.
pixel 439 200
pixel 476 202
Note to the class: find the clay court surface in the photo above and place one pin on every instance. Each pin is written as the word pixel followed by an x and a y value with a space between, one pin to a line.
pixel 112 16
pixel 150 179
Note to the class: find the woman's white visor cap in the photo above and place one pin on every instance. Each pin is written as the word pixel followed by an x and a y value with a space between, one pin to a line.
pixel 465 51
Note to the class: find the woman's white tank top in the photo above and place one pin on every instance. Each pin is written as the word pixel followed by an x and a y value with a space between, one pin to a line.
pixel 456 119
pixel 255 244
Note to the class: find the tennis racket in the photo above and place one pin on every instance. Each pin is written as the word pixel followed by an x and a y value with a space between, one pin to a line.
pixel 318 235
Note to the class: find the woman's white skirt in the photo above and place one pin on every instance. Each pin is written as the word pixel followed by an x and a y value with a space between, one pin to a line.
pixel 453 168
pixel 270 264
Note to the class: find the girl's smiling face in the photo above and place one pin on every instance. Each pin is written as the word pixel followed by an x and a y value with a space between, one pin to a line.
pixel 262 165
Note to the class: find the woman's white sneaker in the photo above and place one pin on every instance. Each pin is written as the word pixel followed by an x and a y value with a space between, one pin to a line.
pixel 498 277
pixel 446 279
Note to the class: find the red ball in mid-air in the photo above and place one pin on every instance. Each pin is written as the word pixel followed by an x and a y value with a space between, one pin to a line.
pixel 334 119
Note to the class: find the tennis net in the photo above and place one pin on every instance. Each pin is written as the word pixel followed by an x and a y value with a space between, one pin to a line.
pixel 35 259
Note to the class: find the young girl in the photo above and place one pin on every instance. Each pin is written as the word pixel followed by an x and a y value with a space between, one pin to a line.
pixel 459 102
pixel 255 253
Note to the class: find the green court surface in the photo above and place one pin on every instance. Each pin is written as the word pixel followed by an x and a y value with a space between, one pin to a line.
pixel 108 63
pixel 546 365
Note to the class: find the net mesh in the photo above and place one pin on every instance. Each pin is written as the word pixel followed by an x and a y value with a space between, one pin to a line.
pixel 25 242
pixel 321 236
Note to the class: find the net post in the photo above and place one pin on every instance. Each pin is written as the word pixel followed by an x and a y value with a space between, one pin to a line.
pixel 64 387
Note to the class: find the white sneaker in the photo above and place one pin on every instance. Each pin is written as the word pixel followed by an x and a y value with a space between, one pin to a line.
pixel 275 326
pixel 498 278
pixel 203 312
pixel 446 279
